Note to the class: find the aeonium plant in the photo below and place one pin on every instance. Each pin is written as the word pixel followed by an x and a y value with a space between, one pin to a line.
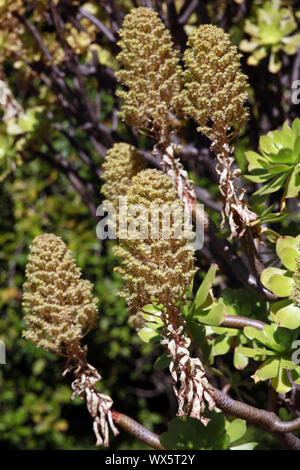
pixel 285 283
pixel 271 32
pixel 162 92
pixel 273 345
pixel 277 165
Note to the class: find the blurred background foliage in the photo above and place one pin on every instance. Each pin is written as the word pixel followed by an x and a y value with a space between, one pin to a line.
pixel 50 158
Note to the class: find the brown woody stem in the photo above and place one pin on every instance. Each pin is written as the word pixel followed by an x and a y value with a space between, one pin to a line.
pixel 235 321
pixel 137 430
pixel 266 420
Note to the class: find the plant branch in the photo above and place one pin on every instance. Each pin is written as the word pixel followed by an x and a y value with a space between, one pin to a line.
pixel 107 33
pixel 137 430
pixel 35 34
pixel 77 182
pixel 266 420
pixel 174 25
pixel 239 322
pixel 188 8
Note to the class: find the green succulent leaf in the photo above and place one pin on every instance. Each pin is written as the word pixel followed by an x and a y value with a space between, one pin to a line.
pixel 152 309
pixel 153 320
pixel 162 362
pixel 270 234
pixel 258 176
pixel 281 382
pixel 253 333
pixel 240 361
pixel 236 429
pixel 296 128
pixel 267 370
pixel 148 335
pixel 255 352
pixel 267 145
pixel 211 316
pixel 293 186
pixel 270 30
pixel 219 330
pixel 277 306
pixel 297 145
pixel 288 316
pixel 277 281
pixel 295 375
pixel 190 434
pixel 279 338
pixel 278 168
pixel 197 332
pixel 221 345
pixel 291 44
pixel 289 365
pixel 245 301
pixel 274 217
pixel 272 186
pixel 285 155
pixel 277 165
pixel 256 161
pixel 287 250
pixel 205 287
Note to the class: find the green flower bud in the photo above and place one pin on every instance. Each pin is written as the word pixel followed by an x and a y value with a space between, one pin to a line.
pixel 59 305
pixel 151 72
pixel 215 87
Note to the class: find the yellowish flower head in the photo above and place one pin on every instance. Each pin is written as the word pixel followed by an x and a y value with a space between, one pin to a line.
pixel 59 306
pixel 122 162
pixel 161 264
pixel 150 71
pixel 215 88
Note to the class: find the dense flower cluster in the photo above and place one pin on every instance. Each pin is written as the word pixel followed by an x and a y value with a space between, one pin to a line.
pixel 160 268
pixel 215 94
pixel 156 266
pixel 215 87
pixel 151 72
pixel 122 162
pixel 59 305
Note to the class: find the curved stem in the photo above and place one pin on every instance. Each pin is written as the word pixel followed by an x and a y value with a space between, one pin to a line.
pixel 137 430
pixel 266 420
pixel 235 321
pixel 252 253
pixel 107 33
